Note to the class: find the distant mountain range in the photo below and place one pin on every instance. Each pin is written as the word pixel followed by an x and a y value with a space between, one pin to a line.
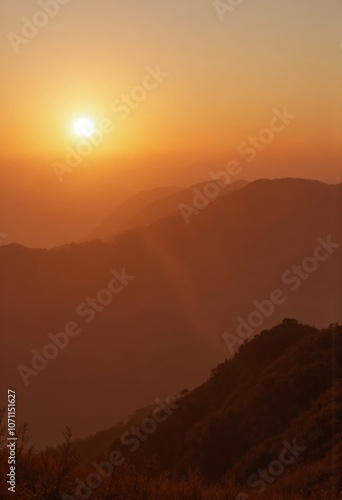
pixel 193 283
pixel 122 218
pixel 149 206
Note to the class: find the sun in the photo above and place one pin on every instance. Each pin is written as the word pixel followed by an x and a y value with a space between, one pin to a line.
pixel 84 127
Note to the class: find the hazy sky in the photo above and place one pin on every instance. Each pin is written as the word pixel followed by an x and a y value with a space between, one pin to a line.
pixel 225 78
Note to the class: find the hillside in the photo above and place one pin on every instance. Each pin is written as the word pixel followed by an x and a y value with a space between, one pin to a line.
pixel 267 421
pixel 283 386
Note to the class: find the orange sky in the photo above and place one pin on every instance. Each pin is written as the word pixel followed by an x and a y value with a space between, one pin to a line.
pixel 225 79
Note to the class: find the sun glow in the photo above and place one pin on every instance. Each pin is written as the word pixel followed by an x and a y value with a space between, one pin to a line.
pixel 83 127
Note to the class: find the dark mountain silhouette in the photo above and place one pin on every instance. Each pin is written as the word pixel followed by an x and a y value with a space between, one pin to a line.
pixel 268 421
pixel 164 331
pixel 285 384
